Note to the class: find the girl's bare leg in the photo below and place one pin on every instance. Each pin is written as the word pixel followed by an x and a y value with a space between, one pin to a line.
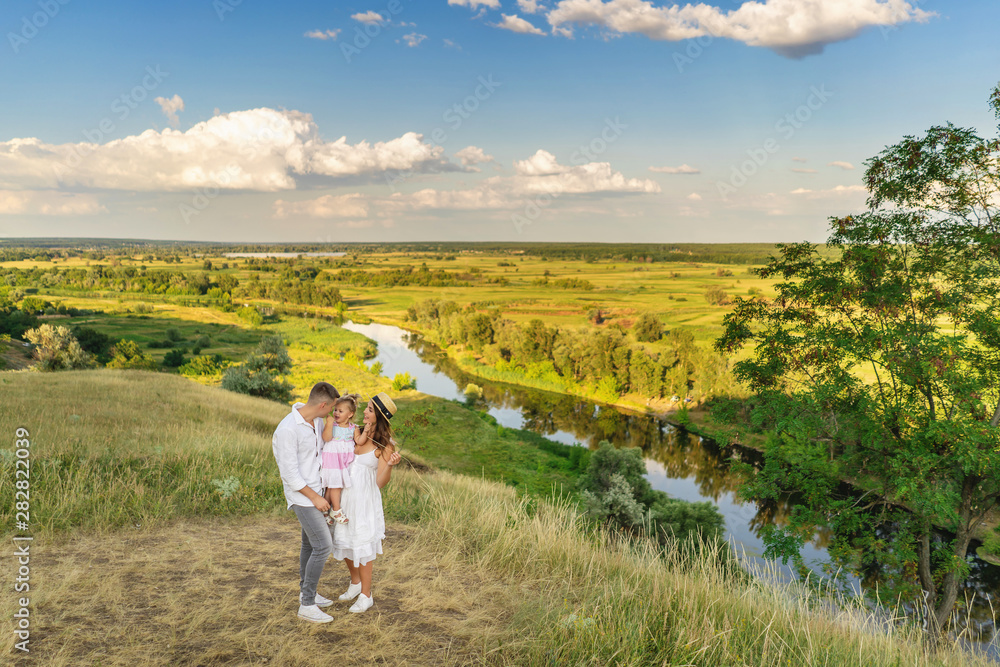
pixel 335 498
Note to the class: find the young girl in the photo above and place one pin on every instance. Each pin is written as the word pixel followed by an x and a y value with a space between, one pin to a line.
pixel 360 540
pixel 340 437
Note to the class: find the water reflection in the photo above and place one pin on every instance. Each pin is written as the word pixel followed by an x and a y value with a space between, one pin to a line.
pixel 680 463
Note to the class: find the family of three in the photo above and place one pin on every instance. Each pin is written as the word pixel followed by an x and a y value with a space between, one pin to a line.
pixel 333 472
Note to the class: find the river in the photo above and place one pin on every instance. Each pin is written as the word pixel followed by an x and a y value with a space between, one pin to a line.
pixel 680 463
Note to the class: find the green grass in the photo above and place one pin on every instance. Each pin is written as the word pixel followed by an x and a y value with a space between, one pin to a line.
pixel 117 448
pixel 112 450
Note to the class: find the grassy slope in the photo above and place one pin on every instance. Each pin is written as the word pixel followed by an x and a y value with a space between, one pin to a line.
pixel 131 529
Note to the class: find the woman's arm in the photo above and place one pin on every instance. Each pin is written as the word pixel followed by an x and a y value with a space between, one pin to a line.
pixel 390 457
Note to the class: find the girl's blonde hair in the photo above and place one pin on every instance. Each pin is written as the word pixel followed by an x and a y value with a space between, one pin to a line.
pixel 351 399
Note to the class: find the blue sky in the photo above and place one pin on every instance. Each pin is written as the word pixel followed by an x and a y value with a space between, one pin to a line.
pixel 601 120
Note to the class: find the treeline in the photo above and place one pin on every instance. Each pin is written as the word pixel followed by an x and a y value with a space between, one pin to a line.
pixel 409 275
pixel 295 286
pixel 609 361
pixel 287 290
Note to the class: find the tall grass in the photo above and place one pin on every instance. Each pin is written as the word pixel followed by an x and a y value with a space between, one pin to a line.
pixel 112 449
pixel 589 598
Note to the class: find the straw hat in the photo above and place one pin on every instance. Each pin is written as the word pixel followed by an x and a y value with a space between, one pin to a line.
pixel 384 404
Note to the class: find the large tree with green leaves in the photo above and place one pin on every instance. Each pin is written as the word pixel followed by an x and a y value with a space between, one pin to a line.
pixel 879 365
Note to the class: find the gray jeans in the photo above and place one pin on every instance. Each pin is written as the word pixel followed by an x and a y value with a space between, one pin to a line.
pixel 317 543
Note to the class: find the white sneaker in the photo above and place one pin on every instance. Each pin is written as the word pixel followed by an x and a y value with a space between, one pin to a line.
pixel 321 601
pixel 364 603
pixel 313 614
pixel 352 592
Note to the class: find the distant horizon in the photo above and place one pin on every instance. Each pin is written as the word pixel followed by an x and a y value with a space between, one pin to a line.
pixel 4 239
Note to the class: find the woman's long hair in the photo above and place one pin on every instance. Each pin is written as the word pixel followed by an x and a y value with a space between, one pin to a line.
pixel 381 434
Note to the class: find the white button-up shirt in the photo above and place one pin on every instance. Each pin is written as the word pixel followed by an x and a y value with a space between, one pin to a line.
pixel 297 448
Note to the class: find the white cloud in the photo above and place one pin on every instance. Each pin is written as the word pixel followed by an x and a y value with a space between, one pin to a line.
pixel 529 6
pixel 352 205
pixel 170 108
pixel 515 23
pixel 838 191
pixel 793 28
pixel 846 166
pixel 260 149
pixel 323 34
pixel 683 169
pixel 803 171
pixel 452 45
pixel 542 163
pixel 538 176
pixel 694 196
pixel 798 159
pixel 472 4
pixel 368 17
pixel 470 156
pixel 413 39
pixel 48 202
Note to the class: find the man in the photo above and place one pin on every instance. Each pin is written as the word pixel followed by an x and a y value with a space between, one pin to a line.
pixel 297 446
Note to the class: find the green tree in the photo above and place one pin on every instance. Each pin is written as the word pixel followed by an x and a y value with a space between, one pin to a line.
pixel 127 355
pixel 95 343
pixel 617 493
pixel 648 329
pixel 173 359
pixel 260 374
pixel 881 364
pixel 57 350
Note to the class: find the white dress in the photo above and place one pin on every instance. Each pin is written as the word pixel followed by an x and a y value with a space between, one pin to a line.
pixel 360 539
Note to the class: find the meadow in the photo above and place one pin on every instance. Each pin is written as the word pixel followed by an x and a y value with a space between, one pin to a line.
pixel 161 539
pixel 581 294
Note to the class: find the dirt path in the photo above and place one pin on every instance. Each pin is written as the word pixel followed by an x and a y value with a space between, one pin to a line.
pixel 215 592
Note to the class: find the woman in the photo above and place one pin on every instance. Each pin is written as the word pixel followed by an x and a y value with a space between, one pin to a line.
pixel 359 541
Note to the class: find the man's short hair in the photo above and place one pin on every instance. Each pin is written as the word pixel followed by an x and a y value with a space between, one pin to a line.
pixel 323 392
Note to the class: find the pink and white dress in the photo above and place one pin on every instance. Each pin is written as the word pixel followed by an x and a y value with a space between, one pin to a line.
pixel 337 456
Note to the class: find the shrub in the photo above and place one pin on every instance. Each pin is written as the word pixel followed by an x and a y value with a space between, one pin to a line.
pixel 173 359
pixel 94 343
pixel 57 349
pixel 648 329
pixel 403 381
pixel 173 335
pixel 616 493
pixel 716 296
pixel 260 383
pixel 204 365
pixel 126 355
pixel 260 375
